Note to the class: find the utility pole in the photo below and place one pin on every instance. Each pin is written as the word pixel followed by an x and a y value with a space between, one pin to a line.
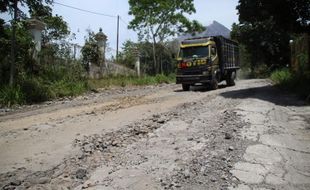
pixel 117 38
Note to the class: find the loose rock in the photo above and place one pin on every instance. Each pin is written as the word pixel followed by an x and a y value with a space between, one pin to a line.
pixel 81 173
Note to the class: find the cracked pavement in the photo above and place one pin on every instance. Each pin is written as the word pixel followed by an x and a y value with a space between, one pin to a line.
pixel 279 157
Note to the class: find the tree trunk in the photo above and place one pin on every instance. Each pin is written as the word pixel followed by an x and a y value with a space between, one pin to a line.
pixel 161 64
pixel 154 55
pixel 13 45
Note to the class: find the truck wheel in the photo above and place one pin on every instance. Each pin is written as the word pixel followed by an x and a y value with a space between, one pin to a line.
pixel 213 84
pixel 230 80
pixel 185 87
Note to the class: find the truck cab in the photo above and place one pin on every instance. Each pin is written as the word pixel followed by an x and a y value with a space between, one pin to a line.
pixel 208 61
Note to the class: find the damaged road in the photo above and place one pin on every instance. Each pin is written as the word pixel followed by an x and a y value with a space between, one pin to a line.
pixel 250 136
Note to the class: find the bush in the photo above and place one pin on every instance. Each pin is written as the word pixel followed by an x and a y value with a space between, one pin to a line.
pixel 282 77
pixel 64 88
pixel 130 80
pixel 51 81
pixel 11 95
pixel 35 90
pixel 294 82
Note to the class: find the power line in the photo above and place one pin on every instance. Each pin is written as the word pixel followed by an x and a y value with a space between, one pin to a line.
pixel 101 14
pixel 123 21
pixel 92 12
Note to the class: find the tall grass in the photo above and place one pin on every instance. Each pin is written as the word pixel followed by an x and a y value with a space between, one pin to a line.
pixel 50 82
pixel 282 77
pixel 11 95
pixel 60 82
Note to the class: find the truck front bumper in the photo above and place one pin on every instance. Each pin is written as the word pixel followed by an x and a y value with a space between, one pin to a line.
pixel 192 79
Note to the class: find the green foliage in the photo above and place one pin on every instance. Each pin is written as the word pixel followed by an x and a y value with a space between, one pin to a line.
pixel 90 50
pixel 293 82
pixel 33 5
pixel 51 82
pixel 56 28
pixel 264 42
pixel 165 58
pixel 288 15
pixel 128 57
pixel 283 77
pixel 160 18
pixel 35 90
pixel 157 20
pixel 65 80
pixel 166 53
pixel 11 95
pixel 303 60
pixel 162 79
pixel 265 28
pixel 23 58
pixel 56 75
pixel 65 88
pixel 123 81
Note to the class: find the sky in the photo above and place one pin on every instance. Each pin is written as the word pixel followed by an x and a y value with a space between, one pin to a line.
pixel 223 11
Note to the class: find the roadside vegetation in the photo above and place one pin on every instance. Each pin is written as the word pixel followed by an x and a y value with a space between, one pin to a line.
pixel 123 81
pixel 55 72
pixel 274 42
pixel 264 34
pixel 293 82
pixel 35 90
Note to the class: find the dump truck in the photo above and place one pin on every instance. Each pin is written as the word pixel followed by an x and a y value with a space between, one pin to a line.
pixel 207 61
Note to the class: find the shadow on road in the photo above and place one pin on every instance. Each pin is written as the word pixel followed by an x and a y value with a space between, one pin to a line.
pixel 266 93
pixel 201 88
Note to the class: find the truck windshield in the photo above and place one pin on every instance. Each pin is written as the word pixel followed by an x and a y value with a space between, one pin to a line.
pixel 192 52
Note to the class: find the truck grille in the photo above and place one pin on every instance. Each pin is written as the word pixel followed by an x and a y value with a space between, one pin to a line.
pixel 193 70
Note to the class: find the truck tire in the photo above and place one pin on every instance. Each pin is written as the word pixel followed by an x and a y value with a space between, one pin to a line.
pixel 230 80
pixel 214 84
pixel 186 87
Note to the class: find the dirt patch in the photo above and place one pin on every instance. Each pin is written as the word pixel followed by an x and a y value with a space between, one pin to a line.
pixel 163 140
pixel 200 146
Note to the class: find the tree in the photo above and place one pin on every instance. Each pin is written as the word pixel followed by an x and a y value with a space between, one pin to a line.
pixel 8 5
pixel 289 15
pixel 127 56
pixel 56 28
pixel 265 28
pixel 159 19
pixel 12 7
pixel 18 67
pixel 90 50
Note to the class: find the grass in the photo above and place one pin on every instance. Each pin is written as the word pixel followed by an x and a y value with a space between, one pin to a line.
pixel 34 90
pixel 65 88
pixel 294 82
pixel 11 95
pixel 282 77
pixel 123 81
